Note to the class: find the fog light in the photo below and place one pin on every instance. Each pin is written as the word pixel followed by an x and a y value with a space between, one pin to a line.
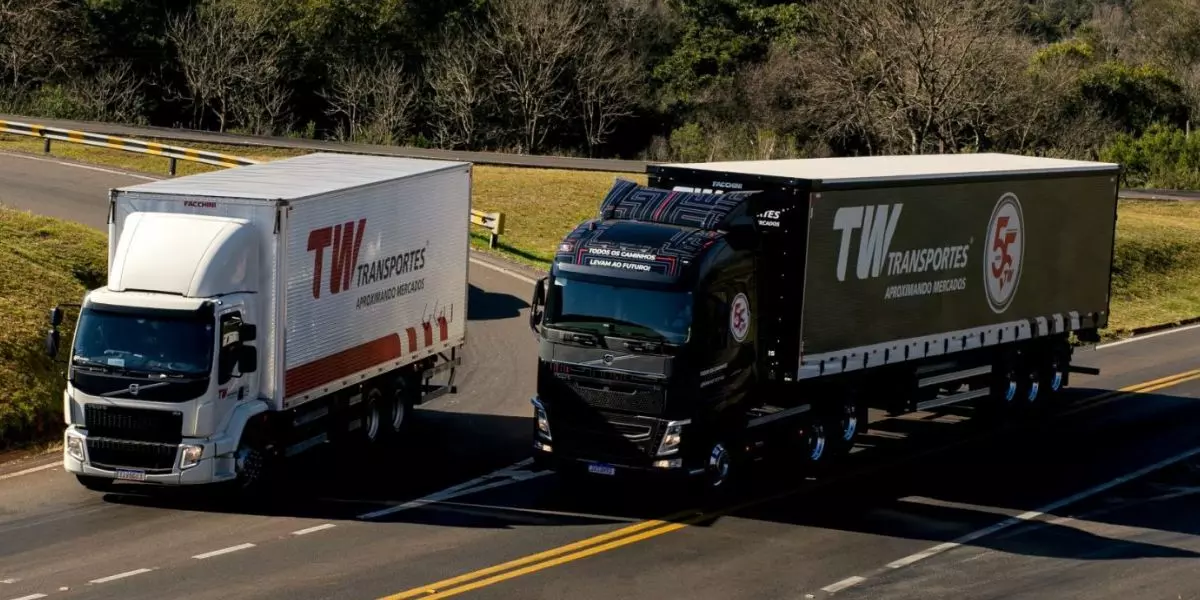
pixel 75 448
pixel 542 447
pixel 672 463
pixel 543 421
pixel 189 455
pixel 672 437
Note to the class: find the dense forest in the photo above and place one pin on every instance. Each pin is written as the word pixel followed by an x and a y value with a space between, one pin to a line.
pixel 653 79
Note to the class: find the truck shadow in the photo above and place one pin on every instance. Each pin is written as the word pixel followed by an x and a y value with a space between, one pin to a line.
pixel 924 479
pixel 492 306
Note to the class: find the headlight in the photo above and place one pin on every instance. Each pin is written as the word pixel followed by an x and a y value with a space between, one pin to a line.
pixel 189 456
pixel 672 437
pixel 75 447
pixel 543 421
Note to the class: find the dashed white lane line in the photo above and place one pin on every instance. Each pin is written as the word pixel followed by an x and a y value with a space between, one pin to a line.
pixel 1024 517
pixel 314 529
pixel 31 597
pixel 223 551
pixel 843 584
pixel 120 575
pixel 31 470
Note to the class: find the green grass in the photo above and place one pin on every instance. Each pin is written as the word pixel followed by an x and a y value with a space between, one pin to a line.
pixel 43 262
pixel 1157 268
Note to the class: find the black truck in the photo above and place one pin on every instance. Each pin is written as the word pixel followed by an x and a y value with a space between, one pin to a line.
pixel 728 309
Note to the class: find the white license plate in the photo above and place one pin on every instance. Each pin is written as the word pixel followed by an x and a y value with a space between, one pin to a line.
pixel 602 469
pixel 124 475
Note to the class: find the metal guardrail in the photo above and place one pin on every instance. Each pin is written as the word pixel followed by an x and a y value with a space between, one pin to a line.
pixel 492 221
pixel 499 159
pixel 172 153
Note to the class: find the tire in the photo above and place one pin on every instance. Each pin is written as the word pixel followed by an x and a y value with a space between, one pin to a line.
pixel 96 484
pixel 372 412
pixel 398 409
pixel 255 465
pixel 846 424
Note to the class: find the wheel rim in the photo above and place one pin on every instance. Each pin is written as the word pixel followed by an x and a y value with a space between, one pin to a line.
pixel 849 422
pixel 816 442
pixel 1034 387
pixel 399 411
pixel 249 465
pixel 372 419
pixel 719 465
pixel 1010 391
pixel 1056 379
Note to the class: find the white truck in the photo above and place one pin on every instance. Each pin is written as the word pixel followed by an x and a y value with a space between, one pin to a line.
pixel 251 314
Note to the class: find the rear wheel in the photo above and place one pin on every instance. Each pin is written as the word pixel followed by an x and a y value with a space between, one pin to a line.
pixel 847 424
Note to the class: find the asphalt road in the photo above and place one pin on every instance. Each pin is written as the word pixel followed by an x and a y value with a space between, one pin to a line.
pixel 395 523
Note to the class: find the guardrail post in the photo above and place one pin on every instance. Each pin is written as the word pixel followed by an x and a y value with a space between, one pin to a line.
pixel 171 168
pixel 497 230
pixel 46 145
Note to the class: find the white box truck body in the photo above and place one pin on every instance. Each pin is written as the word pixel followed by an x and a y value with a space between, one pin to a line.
pixel 256 312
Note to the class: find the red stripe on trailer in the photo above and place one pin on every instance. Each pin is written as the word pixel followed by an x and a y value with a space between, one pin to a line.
pixel 443 329
pixel 308 376
pixel 412 339
pixel 427 328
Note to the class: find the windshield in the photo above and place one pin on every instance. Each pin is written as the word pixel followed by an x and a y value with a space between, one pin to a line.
pixel 154 344
pixel 625 311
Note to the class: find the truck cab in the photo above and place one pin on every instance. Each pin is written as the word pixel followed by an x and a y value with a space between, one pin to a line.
pixel 162 371
pixel 646 335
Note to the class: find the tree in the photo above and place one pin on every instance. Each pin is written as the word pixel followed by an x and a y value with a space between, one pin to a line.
pixel 374 100
pixel 225 54
pixel 460 86
pixel 911 75
pixel 531 45
pixel 37 38
pixel 606 86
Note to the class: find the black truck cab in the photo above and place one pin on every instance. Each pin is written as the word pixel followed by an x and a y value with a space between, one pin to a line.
pixel 647 338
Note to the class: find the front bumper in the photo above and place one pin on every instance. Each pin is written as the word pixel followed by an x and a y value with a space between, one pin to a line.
pixel 208 469
pixel 571 447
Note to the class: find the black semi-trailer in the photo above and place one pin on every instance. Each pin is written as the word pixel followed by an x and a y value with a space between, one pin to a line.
pixel 730 308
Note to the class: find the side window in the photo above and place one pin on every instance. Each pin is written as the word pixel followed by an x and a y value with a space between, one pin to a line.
pixel 231 343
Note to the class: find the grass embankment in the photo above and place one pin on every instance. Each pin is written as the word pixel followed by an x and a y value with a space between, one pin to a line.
pixel 43 261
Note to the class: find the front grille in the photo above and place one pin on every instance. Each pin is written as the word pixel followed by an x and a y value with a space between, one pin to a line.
pixel 134 424
pixel 638 399
pixel 113 454
pixel 603 436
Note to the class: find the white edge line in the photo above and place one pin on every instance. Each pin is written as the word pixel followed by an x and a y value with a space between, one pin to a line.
pixel 120 576
pixel 1033 514
pixel 31 470
pixel 223 551
pixel 1138 338
pixel 509 272
pixel 31 597
pixel 314 529
pixel 848 582
pixel 79 166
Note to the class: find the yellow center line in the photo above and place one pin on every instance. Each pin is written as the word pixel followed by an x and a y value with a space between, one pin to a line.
pixel 657 527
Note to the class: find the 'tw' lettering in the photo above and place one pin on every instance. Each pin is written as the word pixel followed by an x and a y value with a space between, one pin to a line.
pixel 345 243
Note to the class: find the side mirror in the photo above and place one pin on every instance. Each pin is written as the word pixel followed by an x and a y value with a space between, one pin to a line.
pixel 56 316
pixel 52 339
pixel 248 359
pixel 536 304
pixel 247 332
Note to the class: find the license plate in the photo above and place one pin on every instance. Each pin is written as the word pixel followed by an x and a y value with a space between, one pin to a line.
pixel 602 469
pixel 131 475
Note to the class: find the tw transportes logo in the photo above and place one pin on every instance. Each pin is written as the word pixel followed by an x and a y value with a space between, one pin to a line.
pixel 344 242
pixel 1004 252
